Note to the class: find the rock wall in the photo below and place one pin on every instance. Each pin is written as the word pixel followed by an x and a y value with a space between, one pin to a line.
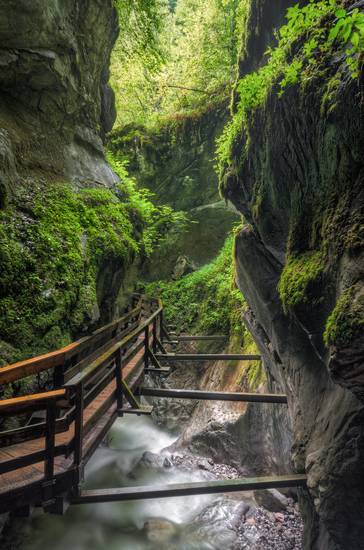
pixel 55 100
pixel 298 181
pixel 176 162
pixel 62 270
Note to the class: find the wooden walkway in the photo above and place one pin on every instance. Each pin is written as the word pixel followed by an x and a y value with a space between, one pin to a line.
pixel 95 380
pixel 28 474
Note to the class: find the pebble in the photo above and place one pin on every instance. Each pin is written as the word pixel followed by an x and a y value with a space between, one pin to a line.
pixel 259 528
pixel 278 531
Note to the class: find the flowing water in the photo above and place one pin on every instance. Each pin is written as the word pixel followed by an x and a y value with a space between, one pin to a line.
pixel 181 523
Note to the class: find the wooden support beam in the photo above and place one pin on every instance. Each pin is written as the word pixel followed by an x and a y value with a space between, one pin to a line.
pixel 129 395
pixel 154 360
pixel 207 357
pixel 161 370
pixel 160 346
pixel 147 410
pixel 186 489
pixel 191 338
pixel 215 396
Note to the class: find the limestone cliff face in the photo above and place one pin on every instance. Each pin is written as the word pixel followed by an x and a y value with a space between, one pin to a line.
pixel 298 181
pixel 60 272
pixel 176 163
pixel 55 103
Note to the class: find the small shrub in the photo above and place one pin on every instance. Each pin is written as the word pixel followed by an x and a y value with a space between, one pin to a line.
pixel 311 34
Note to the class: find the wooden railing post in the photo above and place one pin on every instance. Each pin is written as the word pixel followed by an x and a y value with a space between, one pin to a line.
pixel 119 379
pixel 78 424
pixel 160 330
pixel 58 376
pixel 155 335
pixel 146 346
pixel 50 437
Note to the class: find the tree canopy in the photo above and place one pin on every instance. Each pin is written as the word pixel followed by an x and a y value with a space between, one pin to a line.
pixel 175 56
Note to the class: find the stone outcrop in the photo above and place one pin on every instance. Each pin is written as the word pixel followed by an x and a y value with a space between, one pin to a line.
pixel 176 164
pixel 55 100
pixel 298 181
pixel 56 107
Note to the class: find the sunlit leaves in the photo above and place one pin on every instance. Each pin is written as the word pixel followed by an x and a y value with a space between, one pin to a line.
pixel 312 32
pixel 197 42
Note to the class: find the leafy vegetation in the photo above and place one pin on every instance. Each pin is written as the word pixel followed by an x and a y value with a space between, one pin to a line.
pixel 182 59
pixel 206 300
pixel 312 33
pixel 53 243
pixel 158 220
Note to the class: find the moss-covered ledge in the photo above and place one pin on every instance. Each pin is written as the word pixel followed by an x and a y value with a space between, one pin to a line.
pixel 53 243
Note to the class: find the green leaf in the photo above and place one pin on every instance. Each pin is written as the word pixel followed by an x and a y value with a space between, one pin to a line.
pixel 360 27
pixel 336 29
pixel 355 39
pixel 346 32
pixel 341 13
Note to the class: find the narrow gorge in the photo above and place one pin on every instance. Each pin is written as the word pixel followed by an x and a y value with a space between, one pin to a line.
pixel 181 192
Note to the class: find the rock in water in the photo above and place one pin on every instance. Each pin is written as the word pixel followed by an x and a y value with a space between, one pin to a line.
pixel 271 500
pixel 183 267
pixel 159 530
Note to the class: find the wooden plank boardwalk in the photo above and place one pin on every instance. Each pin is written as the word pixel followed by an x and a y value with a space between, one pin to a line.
pixel 35 472
pixel 96 380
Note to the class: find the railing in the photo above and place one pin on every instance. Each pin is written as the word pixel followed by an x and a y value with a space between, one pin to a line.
pixel 94 382
pixel 81 372
pixel 24 405
pixel 61 360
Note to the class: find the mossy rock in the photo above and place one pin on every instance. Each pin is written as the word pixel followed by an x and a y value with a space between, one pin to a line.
pixel 346 321
pixel 301 280
pixel 54 242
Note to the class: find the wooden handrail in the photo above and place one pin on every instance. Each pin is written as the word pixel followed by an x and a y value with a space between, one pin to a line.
pixel 35 365
pixel 91 364
pixel 85 374
pixel 28 403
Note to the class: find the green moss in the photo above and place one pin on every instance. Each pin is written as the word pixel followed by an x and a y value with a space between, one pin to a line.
pixel 314 32
pixel 49 259
pixel 205 301
pixel 54 241
pixel 346 321
pixel 299 277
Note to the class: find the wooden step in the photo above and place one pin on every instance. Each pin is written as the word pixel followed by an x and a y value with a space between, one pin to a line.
pixel 186 489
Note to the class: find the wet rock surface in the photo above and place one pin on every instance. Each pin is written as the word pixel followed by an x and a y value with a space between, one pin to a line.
pixel 233 522
pixel 263 530
pixel 55 99
pixel 187 463
pixel 301 169
pixel 271 500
